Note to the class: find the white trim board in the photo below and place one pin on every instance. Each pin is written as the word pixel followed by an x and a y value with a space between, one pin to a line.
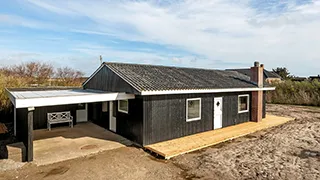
pixel 146 93
pixel 63 100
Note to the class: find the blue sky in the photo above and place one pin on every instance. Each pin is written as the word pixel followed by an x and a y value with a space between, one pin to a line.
pixel 215 34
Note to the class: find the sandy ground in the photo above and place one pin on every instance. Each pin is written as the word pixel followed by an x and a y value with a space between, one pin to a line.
pixel 289 151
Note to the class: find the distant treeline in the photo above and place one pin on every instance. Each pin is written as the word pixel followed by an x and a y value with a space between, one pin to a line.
pixel 295 93
pixel 35 74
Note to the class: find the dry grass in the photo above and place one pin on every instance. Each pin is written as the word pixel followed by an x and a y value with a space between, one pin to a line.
pixel 5 82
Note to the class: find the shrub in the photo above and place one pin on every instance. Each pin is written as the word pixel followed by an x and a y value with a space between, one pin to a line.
pixel 296 93
pixel 6 82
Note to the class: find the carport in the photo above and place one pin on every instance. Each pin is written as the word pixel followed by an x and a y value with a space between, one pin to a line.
pixel 26 101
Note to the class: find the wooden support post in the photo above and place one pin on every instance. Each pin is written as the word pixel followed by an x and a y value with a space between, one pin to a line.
pixel 29 147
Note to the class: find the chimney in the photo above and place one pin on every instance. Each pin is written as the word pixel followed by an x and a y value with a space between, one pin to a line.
pixel 257 96
pixel 257 74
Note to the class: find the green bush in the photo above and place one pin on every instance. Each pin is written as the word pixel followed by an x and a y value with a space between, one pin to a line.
pixel 296 93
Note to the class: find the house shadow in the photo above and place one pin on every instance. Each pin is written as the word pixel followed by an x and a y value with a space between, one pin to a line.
pixel 81 130
pixel 3 151
pixel 83 138
pixel 9 148
pixel 16 152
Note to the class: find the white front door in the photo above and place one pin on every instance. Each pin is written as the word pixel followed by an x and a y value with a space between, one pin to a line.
pixel 113 116
pixel 217 122
pixel 82 114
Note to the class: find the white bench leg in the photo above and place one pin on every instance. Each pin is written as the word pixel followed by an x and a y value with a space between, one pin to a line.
pixel 71 124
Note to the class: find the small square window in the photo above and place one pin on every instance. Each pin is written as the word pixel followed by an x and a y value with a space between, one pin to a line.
pixel 243 103
pixel 105 106
pixel 193 109
pixel 123 106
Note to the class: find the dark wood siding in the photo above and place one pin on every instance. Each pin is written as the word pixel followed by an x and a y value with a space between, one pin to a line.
pixel 40 114
pixel 22 124
pixel 165 115
pixel 131 125
pixel 107 80
pixel 23 129
pixel 96 115
pixel 230 110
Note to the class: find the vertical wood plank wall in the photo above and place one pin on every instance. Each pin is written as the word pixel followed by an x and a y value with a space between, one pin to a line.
pixel 131 125
pixel 96 115
pixel 107 80
pixel 40 114
pixel 264 108
pixel 22 127
pixel 165 115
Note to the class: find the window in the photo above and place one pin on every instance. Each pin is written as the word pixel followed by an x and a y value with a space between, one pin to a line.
pixel 105 106
pixel 243 103
pixel 123 106
pixel 81 106
pixel 193 109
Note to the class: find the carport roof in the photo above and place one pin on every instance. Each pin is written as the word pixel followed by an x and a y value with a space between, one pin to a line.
pixel 31 97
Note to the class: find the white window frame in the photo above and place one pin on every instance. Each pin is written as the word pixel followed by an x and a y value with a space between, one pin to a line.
pixel 121 110
pixel 197 118
pixel 248 103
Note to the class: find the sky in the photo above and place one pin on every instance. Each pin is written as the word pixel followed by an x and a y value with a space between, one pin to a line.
pixel 217 34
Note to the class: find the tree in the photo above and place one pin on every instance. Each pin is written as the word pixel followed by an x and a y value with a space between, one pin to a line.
pixel 68 76
pixel 33 72
pixel 282 72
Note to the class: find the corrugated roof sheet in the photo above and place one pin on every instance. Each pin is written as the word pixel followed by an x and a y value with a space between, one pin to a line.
pixel 267 74
pixel 155 78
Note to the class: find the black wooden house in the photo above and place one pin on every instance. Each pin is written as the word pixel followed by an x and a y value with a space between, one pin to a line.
pixel 149 104
pixel 172 102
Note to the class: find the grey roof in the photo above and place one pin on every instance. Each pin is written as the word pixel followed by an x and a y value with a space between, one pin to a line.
pixel 271 74
pixel 156 78
pixel 266 73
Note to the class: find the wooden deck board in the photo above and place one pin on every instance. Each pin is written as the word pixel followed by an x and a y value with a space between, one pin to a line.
pixel 175 147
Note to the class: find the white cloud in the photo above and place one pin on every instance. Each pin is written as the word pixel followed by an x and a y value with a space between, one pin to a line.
pixel 21 21
pixel 146 56
pixel 228 31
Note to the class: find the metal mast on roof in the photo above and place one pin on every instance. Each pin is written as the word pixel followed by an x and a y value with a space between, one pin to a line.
pixel 100 59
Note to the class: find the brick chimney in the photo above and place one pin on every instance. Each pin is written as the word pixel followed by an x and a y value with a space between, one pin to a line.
pixel 257 96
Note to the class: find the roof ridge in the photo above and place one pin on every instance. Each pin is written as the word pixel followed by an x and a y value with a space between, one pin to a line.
pixel 124 77
pixel 167 66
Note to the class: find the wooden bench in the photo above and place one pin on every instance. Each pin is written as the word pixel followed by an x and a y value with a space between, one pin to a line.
pixel 59 117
